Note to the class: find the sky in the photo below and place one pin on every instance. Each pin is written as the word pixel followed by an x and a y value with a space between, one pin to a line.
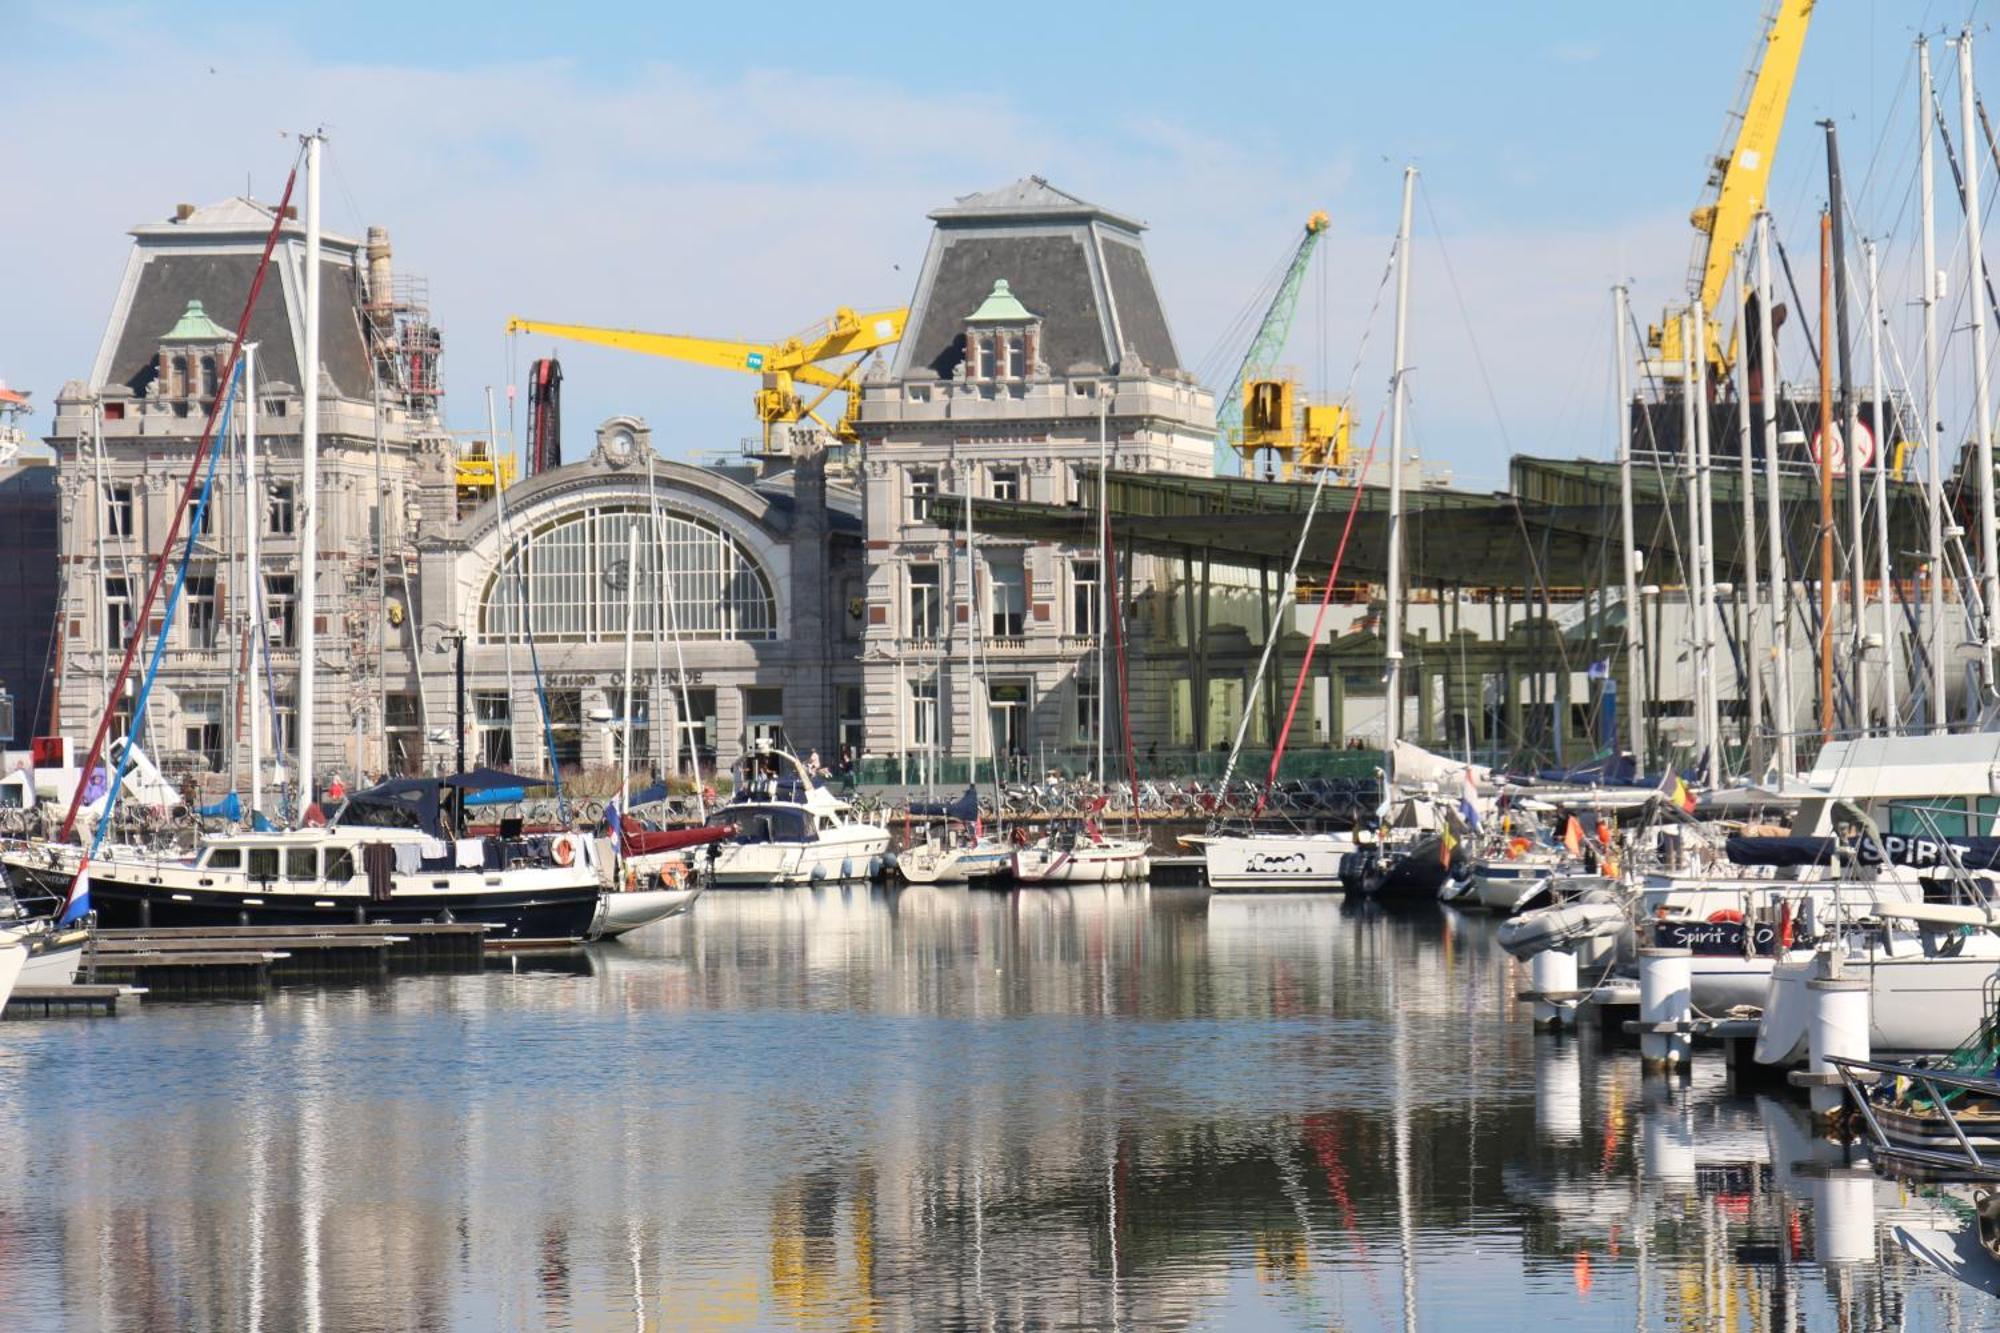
pixel 741 173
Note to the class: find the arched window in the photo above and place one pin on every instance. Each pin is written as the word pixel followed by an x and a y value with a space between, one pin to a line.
pixel 574 571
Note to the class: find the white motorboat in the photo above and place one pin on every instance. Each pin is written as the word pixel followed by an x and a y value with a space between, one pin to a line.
pixel 1930 969
pixel 793 831
pixel 622 911
pixel 1508 885
pixel 13 957
pixel 1272 862
pixel 1082 856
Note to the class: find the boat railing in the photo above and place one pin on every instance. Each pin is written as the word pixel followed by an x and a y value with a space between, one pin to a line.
pixel 1939 1087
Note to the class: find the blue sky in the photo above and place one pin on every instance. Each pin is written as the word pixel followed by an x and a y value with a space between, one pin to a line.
pixel 742 172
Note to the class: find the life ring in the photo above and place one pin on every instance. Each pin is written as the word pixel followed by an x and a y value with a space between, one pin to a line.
pixel 674 875
pixel 564 850
pixel 1725 916
pixel 1020 836
pixel 1516 847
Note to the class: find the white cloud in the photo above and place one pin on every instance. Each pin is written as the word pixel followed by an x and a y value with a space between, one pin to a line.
pixel 749 205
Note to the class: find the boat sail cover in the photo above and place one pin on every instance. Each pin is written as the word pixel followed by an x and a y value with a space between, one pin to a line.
pixel 965 809
pixel 1896 849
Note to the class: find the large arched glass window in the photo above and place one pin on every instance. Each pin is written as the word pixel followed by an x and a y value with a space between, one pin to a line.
pixel 574 570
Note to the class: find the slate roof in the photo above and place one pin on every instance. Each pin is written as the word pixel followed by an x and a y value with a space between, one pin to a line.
pixel 1079 267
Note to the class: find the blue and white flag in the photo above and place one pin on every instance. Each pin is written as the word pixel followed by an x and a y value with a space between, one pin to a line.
pixel 1468 799
pixel 611 822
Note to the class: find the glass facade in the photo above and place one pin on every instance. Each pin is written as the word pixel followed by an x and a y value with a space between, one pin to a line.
pixel 575 573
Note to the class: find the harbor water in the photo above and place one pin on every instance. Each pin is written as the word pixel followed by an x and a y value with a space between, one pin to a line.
pixel 1104 1107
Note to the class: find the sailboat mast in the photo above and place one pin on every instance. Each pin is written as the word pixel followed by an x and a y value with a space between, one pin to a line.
pixel 1886 588
pixel 1826 446
pixel 1774 513
pixel 308 604
pixel 1989 573
pixel 1934 467
pixel 965 471
pixel 631 615
pixel 1104 572
pixel 1635 623
pixel 1850 431
pixel 1392 629
pixel 253 580
pixel 1705 550
pixel 1747 591
pixel 1704 739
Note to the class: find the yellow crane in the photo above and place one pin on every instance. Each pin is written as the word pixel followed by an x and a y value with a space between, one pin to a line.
pixel 783 366
pixel 1738 186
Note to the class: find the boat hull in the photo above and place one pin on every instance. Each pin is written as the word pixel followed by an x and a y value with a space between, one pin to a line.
pixel 622 912
pixel 540 912
pixel 1100 864
pixel 765 864
pixel 1274 863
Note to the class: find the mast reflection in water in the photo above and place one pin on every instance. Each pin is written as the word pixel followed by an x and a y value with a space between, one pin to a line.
pixel 853 1108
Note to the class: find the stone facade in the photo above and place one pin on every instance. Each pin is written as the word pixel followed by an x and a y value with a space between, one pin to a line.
pixel 1036 346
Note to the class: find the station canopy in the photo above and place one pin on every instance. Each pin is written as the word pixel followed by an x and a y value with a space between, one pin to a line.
pixel 1557 527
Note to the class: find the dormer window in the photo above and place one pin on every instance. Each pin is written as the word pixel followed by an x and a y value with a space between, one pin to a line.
pixel 191 355
pixel 1002 337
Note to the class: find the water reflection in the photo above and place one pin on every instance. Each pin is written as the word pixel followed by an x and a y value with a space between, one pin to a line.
pixel 850 1108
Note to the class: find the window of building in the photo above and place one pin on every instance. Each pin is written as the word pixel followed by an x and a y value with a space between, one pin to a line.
pixel 764 715
pixel 285 723
pixel 566 726
pixel 1009 703
pixel 117 611
pixel 201 610
pixel 926 607
pixel 1086 615
pixel 120 511
pixel 1007 590
pixel 403 733
pixel 698 728
pixel 1017 358
pixel 281 509
pixel 642 726
pixel 572 572
pixel 201 726
pixel 923 490
pixel 923 714
pixel 493 717
pixel 1006 483
pixel 852 725
pixel 982 358
pixel 208 377
pixel 1086 706
pixel 280 607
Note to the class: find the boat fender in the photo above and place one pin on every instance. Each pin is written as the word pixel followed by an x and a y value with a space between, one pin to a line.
pixel 1785 925
pixel 564 850
pixel 1020 835
pixel 1728 915
pixel 631 881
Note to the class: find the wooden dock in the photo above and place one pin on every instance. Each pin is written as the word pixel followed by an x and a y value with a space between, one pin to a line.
pixel 63 1001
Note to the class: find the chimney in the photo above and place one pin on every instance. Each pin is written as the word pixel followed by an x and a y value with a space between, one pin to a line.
pixel 182 212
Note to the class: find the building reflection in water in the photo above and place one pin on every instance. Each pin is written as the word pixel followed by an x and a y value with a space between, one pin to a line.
pixel 858 1108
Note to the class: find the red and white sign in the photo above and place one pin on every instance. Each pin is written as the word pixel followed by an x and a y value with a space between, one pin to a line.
pixel 1864 447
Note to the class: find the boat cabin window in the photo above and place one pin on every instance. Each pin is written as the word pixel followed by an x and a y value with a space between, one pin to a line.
pixel 224 858
pixel 302 863
pixel 767 823
pixel 263 863
pixel 339 865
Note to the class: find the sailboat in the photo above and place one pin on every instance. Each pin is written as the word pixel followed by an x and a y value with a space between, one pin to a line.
pixel 1080 851
pixel 955 847
pixel 1285 862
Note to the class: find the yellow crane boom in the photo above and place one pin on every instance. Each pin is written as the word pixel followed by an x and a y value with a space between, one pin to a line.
pixel 1741 179
pixel 784 364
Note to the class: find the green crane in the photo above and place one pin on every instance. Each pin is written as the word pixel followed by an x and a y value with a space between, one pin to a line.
pixel 1269 341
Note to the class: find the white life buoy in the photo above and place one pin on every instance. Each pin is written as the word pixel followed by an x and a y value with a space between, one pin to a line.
pixel 564 850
